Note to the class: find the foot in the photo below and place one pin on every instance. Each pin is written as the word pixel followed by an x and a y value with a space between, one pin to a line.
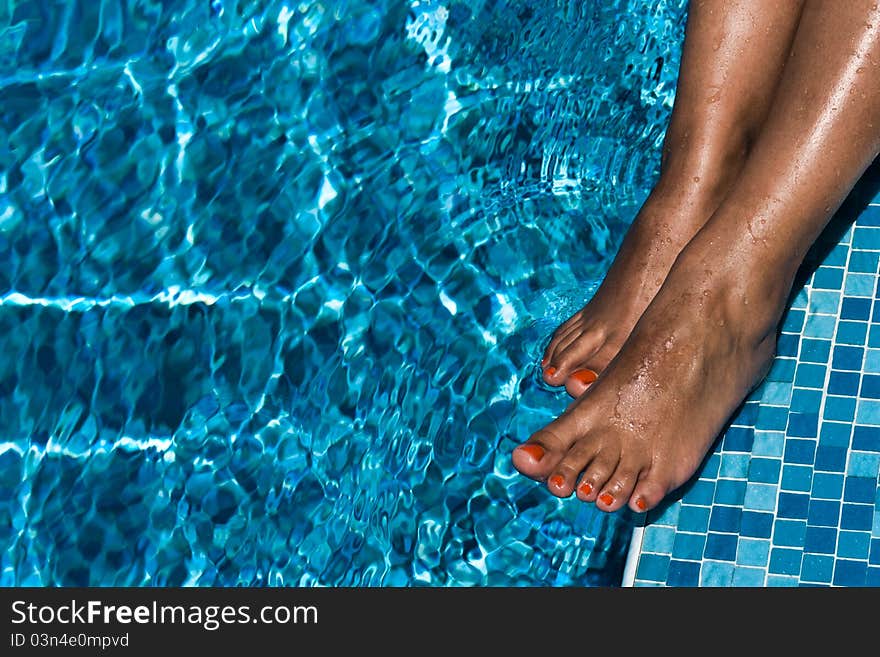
pixel 583 346
pixel 644 428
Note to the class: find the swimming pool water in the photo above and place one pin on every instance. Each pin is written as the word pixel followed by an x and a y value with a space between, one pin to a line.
pixel 276 277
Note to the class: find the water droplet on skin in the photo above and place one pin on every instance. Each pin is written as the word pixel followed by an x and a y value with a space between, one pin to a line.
pixel 696 179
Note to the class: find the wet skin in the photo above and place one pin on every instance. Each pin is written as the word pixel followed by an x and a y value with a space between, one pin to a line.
pixel 707 336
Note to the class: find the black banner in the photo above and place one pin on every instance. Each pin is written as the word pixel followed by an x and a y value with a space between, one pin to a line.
pixel 140 620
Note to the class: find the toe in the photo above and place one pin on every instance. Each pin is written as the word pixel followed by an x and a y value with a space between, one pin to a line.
pixel 648 493
pixel 572 358
pixel 537 457
pixel 564 477
pixel 618 490
pixel 597 472
pixel 578 381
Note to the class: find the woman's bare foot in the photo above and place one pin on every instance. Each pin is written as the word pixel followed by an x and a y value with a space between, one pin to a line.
pixel 669 218
pixel 643 429
pixel 723 95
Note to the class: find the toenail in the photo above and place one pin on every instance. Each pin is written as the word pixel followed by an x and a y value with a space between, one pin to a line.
pixel 585 488
pixel 641 504
pixel 533 450
pixel 585 376
pixel 606 499
pixel 557 481
pixel 551 371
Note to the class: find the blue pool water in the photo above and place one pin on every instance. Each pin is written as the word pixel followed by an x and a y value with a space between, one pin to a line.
pixel 276 276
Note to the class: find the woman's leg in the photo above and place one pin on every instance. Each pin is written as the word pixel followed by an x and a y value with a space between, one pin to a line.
pixel 732 58
pixel 709 334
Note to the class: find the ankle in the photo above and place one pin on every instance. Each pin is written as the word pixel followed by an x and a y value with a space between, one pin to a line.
pixel 704 162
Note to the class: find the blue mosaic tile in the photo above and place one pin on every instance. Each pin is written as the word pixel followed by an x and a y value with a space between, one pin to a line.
pixel 860 489
pixel 782 369
pixel 863 464
pixel 874 554
pixel 841 409
pixel 768 443
pixel 866 238
pixel 859 285
pixel 830 459
pixel 857 516
pixel 789 533
pixel 828 278
pixel 760 497
pixel 817 568
pixel 797 478
pixel 787 345
pixel 873 577
pixel 688 546
pixel 864 262
pixel 683 573
pixel 749 577
pixel 805 400
pixel 793 505
pixel 701 492
pixel 820 326
pixel 721 547
pixel 843 383
pixel 822 540
pixel 855 308
pixel 852 333
pixel 871 386
pixel 850 573
pixel 730 491
pixel 753 552
pixel 757 525
pixel 866 439
pixel 825 301
pixel 716 574
pixel 693 518
pixel 773 418
pixel 764 470
pixel 835 434
pixel 802 425
pixel 734 466
pixel 658 539
pixel 800 451
pixel 815 351
pixel 824 513
pixel 739 439
pixel 874 336
pixel 793 321
pixel 853 545
pixel 810 376
pixel 653 567
pixel 847 358
pixel 872 359
pixel 868 412
pixel 827 486
pixel 785 561
pixel 725 518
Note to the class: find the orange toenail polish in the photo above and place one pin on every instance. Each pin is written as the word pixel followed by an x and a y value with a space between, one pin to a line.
pixel 551 371
pixel 641 504
pixel 533 450
pixel 606 499
pixel 585 376
pixel 585 488
pixel 557 481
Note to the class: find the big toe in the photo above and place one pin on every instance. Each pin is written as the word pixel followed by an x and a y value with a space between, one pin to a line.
pixel 539 455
